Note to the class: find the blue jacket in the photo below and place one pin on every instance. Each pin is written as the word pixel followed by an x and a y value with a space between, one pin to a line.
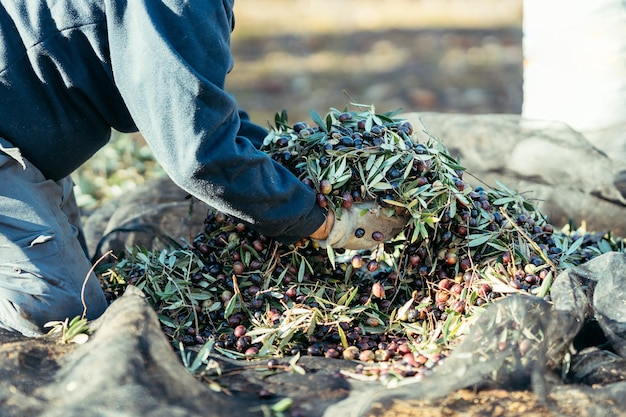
pixel 70 70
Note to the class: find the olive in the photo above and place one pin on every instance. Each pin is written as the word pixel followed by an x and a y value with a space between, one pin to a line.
pixel 321 200
pixel 282 141
pixel 442 296
pixel 308 181
pixel 291 292
pixel 272 363
pixel 451 258
pixel 297 127
pixel 356 195
pixel 344 117
pixel 256 244
pixel 456 289
pixel 240 330
pixel 314 350
pixel 415 260
pixel 367 356
pixel 378 290
pixel 372 266
pixel 382 355
pixel 325 187
pixel 238 268
pixel 347 200
pixel 506 257
pixel 242 344
pixel 347 141
pixel 351 353
pixel 357 261
pixel 331 353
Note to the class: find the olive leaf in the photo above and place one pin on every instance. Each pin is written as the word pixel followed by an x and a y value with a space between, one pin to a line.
pixel 318 120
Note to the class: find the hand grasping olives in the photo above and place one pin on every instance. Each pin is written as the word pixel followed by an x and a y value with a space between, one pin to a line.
pixel 362 226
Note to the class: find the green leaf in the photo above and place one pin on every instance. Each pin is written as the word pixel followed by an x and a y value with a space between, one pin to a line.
pixel 371 160
pixel 452 208
pixel 331 255
pixel 478 239
pixel 167 321
pixel 293 363
pixel 376 179
pixel 162 257
pixel 201 296
pixel 502 201
pixel 497 246
pixel 451 162
pixel 318 120
pixel 203 355
pixel 342 337
pixel 506 189
pixel 286 337
pixel 546 285
pixel 230 307
pixel 574 247
pixel 301 271
pixel 604 246
pixel 347 298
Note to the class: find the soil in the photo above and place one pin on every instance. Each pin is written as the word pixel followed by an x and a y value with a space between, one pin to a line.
pixel 493 403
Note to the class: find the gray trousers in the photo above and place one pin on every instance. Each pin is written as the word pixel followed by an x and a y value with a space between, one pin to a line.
pixel 43 262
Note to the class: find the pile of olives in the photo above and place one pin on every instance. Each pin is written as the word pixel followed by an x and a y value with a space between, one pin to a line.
pixel 462 247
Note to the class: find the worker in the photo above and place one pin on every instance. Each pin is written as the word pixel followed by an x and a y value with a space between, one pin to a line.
pixel 73 70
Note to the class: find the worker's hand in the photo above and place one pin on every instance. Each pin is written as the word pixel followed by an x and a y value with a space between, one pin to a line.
pixel 363 226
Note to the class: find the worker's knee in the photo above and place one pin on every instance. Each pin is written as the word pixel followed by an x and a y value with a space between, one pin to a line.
pixel 36 286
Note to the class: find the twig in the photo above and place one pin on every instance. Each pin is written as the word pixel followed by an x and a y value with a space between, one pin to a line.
pixel 82 290
pixel 532 242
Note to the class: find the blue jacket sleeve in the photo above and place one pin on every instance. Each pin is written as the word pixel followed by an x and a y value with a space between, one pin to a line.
pixel 170 59
pixel 253 132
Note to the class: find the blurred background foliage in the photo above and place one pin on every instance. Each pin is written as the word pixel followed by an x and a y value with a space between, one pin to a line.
pixel 462 56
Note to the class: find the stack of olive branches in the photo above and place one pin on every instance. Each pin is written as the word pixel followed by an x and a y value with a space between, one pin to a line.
pixel 463 246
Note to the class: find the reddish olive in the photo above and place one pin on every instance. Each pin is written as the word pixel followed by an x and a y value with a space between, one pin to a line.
pixel 321 199
pixel 357 261
pixel 325 187
pixel 347 200
pixel 372 266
